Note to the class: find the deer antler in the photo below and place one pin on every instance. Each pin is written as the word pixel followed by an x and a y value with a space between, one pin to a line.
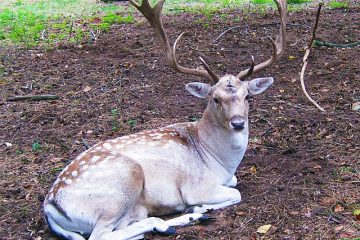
pixel 278 45
pixel 153 15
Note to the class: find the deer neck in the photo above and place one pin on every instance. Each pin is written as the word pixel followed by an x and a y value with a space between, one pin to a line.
pixel 223 148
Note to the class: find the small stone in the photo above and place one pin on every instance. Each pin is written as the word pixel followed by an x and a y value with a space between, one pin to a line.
pixel 356 106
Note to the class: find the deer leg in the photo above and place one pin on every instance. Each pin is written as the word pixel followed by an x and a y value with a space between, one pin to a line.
pixel 133 231
pixel 142 236
pixel 219 197
pixel 233 182
pixel 53 221
pixel 137 229
pixel 186 219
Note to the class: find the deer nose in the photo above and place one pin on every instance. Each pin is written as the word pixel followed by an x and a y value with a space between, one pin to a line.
pixel 237 123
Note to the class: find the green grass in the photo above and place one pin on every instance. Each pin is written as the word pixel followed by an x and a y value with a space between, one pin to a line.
pixel 48 22
pixel 115 123
pixel 58 8
pixel 36 146
pixel 201 6
pixel 338 4
pixel 271 2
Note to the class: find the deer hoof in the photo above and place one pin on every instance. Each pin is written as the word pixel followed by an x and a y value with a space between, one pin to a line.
pixel 205 218
pixel 169 231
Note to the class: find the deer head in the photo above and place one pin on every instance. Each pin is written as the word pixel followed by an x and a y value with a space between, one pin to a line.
pixel 228 99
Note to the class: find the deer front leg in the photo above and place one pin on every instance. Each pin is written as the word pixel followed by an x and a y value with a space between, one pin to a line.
pixel 218 197
pixel 233 182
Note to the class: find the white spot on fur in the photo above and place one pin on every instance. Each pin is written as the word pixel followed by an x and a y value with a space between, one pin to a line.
pixel 85 174
pixel 107 146
pixel 125 137
pixel 63 178
pixel 74 173
pixel 108 158
pixel 68 181
pixel 114 141
pixel 152 144
pixel 95 158
pixel 98 148
pixel 85 167
pixel 82 163
pixel 119 146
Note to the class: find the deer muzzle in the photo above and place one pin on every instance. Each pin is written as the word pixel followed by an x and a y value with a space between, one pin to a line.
pixel 237 123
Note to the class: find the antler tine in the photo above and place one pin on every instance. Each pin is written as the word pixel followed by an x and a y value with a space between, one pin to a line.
pixel 153 15
pixel 250 70
pixel 209 70
pixel 278 45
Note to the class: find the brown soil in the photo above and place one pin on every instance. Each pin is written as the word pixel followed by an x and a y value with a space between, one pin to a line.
pixel 306 182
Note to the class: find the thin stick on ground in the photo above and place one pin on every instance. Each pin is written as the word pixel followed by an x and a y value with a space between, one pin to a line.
pixel 33 98
pixel 305 60
pixel 321 43
pixel 223 33
pixel 71 29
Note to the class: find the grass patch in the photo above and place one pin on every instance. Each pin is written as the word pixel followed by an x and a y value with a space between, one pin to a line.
pixel 201 6
pixel 271 2
pixel 337 4
pixel 258 2
pixel 32 23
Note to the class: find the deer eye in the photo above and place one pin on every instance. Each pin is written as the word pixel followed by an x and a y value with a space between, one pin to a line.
pixel 216 100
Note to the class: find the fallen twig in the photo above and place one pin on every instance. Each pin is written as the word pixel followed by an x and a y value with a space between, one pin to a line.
pixel 336 45
pixel 305 61
pixel 33 98
pixel 222 34
pixel 71 29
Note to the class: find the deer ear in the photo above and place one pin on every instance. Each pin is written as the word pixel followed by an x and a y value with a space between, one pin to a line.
pixel 200 90
pixel 258 85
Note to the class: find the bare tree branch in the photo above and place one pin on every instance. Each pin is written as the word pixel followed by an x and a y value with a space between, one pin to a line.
pixel 305 61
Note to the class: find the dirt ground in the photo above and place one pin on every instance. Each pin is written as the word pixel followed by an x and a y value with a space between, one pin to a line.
pixel 301 172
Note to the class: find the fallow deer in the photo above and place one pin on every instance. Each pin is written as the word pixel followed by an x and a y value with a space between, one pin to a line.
pixel 118 188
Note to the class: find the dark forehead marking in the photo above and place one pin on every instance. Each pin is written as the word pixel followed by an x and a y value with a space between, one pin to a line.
pixel 229 83
pixel 230 88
